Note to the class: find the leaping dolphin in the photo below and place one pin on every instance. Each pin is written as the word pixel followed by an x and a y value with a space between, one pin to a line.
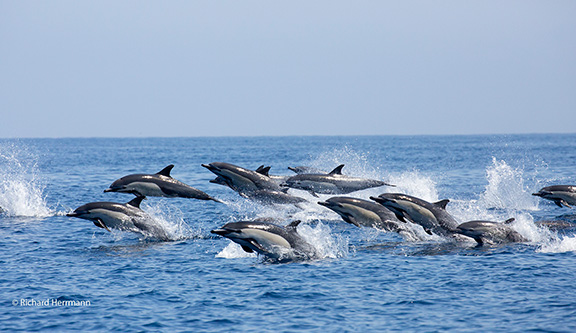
pixel 270 240
pixel 433 217
pixel 364 213
pixel 562 195
pixel 241 179
pixel 125 217
pixel 332 183
pixel 488 232
pixel 251 184
pixel 160 184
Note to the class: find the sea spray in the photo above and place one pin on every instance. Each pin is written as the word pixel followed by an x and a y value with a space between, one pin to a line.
pixel 415 184
pixel 559 245
pixel 327 244
pixel 506 188
pixel 171 220
pixel 21 191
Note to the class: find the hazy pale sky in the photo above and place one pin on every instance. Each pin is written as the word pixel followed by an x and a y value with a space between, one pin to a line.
pixel 219 68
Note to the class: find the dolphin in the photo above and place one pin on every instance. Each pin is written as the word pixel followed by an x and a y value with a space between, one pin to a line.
pixel 562 195
pixel 160 184
pixel 488 232
pixel 268 239
pixel 241 179
pixel 364 213
pixel 251 184
pixel 299 170
pixel 433 217
pixel 125 217
pixel 332 183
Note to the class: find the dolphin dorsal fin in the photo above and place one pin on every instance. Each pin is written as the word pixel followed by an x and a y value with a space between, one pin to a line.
pixel 263 170
pixel 166 171
pixel 294 224
pixel 337 170
pixel 442 203
pixel 510 220
pixel 136 201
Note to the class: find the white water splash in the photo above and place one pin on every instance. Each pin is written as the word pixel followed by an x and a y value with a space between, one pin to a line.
pixel 328 245
pixel 319 236
pixel 415 184
pixel 170 220
pixel 506 188
pixel 559 245
pixel 234 250
pixel 355 164
pixel 21 192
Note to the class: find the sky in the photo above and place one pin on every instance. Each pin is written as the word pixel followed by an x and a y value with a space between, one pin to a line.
pixel 259 68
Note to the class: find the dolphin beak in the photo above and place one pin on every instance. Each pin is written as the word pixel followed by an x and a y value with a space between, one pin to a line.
pixel 381 200
pixel 210 167
pixel 221 232
pixel 115 188
pixel 323 203
pixel 378 199
pixel 74 214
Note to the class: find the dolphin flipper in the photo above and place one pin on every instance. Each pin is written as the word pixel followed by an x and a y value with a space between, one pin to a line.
pixel 247 249
pixel 100 224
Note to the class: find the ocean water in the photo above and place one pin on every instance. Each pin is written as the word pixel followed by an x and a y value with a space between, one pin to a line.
pixel 61 273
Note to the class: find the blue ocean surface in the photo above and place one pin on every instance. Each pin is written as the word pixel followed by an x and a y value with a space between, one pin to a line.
pixel 62 273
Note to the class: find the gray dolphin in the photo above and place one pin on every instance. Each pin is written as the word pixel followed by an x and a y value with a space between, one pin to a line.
pixel 268 239
pixel 433 217
pixel 364 213
pixel 241 179
pixel 332 183
pixel 302 169
pixel 250 184
pixel 125 217
pixel 562 195
pixel 488 232
pixel 160 184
